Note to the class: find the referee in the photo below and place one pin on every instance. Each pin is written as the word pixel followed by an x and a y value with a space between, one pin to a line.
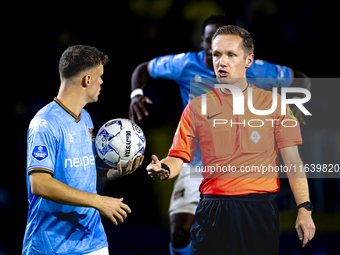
pixel 238 213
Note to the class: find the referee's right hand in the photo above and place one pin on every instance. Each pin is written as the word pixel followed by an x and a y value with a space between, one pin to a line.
pixel 112 208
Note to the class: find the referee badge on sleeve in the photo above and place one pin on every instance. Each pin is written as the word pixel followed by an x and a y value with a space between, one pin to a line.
pixel 290 113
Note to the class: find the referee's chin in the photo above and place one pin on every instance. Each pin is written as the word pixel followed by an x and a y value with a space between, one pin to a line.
pixel 227 80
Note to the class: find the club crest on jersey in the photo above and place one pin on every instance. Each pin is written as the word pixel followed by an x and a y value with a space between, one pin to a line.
pixel 91 133
pixel 40 152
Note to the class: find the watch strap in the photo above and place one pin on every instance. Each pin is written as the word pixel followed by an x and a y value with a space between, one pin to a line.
pixel 307 205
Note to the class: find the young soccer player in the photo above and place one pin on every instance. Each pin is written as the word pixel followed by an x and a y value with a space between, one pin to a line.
pixel 238 214
pixel 181 68
pixel 64 207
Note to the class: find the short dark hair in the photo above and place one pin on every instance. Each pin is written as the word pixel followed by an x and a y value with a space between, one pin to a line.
pixel 247 40
pixel 219 20
pixel 78 58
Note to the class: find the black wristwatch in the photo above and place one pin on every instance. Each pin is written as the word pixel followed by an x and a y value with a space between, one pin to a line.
pixel 307 205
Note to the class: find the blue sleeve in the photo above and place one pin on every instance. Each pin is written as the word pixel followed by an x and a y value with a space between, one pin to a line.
pixel 167 67
pixel 265 75
pixel 41 146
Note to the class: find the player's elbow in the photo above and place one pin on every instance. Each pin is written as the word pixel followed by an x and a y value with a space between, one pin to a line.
pixel 38 183
pixel 141 74
pixel 35 189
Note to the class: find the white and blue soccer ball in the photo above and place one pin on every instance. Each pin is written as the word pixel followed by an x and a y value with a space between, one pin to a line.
pixel 120 140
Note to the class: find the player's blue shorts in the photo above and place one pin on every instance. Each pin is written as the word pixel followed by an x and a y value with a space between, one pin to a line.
pixel 236 225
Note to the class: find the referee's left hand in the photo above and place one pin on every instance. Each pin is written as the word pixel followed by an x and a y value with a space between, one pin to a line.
pixel 305 226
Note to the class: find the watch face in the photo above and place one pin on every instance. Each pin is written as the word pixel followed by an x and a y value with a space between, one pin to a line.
pixel 307 205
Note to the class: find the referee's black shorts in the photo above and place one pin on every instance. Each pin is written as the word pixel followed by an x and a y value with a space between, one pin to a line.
pixel 236 225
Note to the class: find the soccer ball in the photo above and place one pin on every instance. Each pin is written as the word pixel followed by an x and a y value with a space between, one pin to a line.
pixel 120 140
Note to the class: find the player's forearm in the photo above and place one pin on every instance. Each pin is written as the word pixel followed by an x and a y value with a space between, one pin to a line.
pixel 112 174
pixel 54 190
pixel 140 76
pixel 175 164
pixel 102 174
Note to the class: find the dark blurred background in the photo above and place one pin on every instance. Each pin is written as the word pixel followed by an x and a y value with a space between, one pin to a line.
pixel 300 34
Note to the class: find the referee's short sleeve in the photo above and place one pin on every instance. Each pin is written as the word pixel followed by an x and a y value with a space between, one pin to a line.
pixel 287 130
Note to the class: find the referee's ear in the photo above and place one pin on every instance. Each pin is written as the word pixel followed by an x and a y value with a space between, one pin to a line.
pixel 249 60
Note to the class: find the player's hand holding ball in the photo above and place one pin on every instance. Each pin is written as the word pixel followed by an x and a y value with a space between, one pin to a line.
pixel 129 169
pixel 120 145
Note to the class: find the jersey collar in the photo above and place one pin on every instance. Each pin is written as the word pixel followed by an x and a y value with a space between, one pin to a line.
pixel 77 118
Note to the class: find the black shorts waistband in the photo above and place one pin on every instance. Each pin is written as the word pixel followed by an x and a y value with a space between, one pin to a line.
pixel 249 197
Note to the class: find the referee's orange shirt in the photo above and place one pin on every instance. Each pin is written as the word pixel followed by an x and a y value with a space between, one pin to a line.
pixel 239 153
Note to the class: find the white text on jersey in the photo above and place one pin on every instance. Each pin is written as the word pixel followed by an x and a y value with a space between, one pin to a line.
pixel 81 161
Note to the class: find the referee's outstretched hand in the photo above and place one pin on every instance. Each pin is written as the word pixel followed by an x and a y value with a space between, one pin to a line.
pixel 156 171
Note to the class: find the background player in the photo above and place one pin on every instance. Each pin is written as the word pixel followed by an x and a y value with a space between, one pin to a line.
pixel 238 214
pixel 64 207
pixel 180 68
